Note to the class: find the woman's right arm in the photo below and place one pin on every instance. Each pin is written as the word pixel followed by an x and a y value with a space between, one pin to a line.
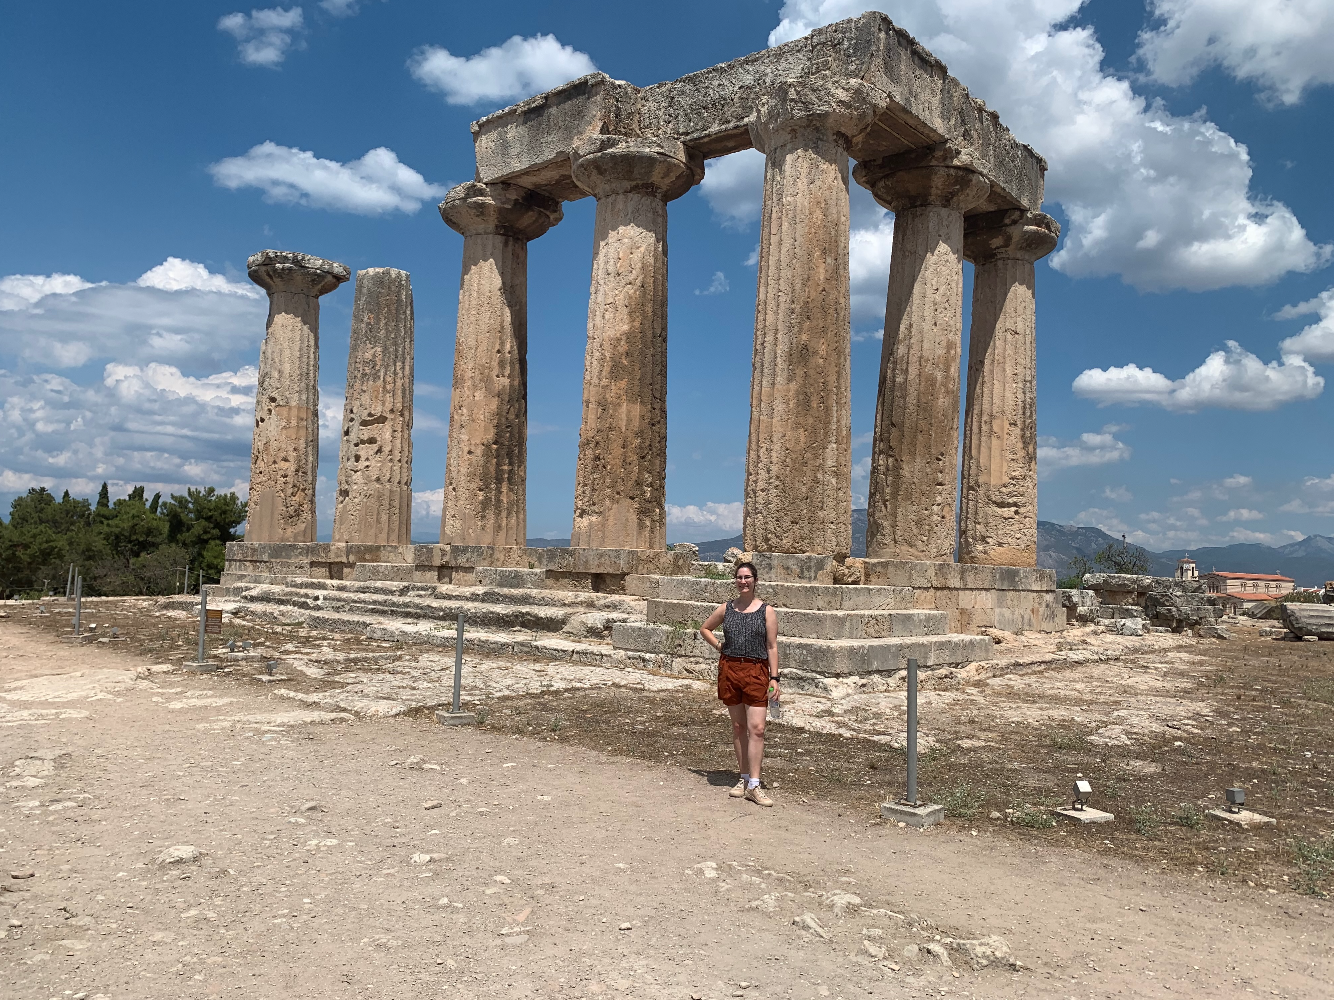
pixel 711 623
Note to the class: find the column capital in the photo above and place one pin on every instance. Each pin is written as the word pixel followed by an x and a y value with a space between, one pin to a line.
pixel 477 209
pixel 613 164
pixel 289 271
pixel 1010 234
pixel 931 177
pixel 833 113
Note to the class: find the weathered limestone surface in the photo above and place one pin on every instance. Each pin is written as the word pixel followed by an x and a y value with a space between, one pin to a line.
pixel 486 461
pixel 284 456
pixel 998 521
pixel 914 453
pixel 916 103
pixel 620 482
pixel 799 456
pixel 374 500
pixel 1308 619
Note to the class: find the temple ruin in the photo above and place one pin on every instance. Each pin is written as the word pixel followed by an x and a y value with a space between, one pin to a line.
pixel 861 92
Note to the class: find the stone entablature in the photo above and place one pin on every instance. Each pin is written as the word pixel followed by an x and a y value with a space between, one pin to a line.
pixel 864 66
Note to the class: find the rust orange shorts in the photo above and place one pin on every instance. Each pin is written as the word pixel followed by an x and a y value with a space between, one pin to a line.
pixel 743 682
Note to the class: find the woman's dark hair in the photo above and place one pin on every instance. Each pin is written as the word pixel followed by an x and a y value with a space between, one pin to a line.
pixel 747 565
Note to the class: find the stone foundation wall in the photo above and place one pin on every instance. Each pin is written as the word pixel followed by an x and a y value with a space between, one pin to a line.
pixel 597 570
pixel 1009 598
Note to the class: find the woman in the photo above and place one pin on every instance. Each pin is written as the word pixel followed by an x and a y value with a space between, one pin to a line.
pixel 747 674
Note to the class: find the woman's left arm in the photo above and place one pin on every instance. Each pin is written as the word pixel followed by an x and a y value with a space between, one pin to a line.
pixel 771 644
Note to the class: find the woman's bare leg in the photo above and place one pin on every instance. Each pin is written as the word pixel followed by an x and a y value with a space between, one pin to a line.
pixel 755 716
pixel 739 737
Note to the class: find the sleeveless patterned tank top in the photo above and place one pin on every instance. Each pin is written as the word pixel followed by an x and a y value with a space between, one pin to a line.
pixel 744 634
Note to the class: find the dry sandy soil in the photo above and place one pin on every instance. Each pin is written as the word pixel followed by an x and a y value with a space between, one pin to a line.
pixel 581 842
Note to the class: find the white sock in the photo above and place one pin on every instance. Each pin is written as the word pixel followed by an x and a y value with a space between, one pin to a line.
pixel 752 782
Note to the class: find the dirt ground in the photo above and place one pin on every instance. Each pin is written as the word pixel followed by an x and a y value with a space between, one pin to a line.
pixel 580 842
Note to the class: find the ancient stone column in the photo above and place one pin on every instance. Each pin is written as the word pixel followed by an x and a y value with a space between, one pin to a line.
pixel 915 449
pixel 285 453
pixel 620 484
pixel 374 500
pixel 487 457
pixel 799 455
pixel 998 516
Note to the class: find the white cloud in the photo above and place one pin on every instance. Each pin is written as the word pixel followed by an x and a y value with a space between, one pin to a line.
pixel 1119 494
pixel 1104 520
pixel 18 291
pixel 717 286
pixel 1317 340
pixel 175 275
pixel 1237 482
pixel 861 478
pixel 1232 379
pixel 427 505
pixel 148 424
pixel 1282 46
pixel 177 313
pixel 1242 514
pixel 1323 509
pixel 733 186
pixel 1162 200
pixel 725 517
pixel 511 71
pixel 373 185
pixel 263 37
pixel 1324 485
pixel 1246 535
pixel 340 8
pixel 1100 448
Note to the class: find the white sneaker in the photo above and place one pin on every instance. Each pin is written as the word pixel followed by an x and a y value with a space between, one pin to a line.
pixel 739 789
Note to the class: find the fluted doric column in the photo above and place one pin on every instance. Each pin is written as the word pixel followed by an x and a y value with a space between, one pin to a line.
pixel 915 450
pixel 487 456
pixel 998 517
pixel 620 482
pixel 799 455
pixel 373 504
pixel 285 452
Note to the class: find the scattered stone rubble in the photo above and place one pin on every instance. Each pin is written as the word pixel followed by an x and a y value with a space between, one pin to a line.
pixel 1131 604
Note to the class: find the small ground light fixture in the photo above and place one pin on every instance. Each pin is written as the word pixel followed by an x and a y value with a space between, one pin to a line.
pixel 1236 798
pixel 115 632
pixel 1082 791
pixel 231 645
pixel 246 644
pixel 271 666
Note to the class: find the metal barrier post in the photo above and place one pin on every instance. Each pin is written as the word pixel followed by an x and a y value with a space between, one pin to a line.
pixel 912 732
pixel 455 717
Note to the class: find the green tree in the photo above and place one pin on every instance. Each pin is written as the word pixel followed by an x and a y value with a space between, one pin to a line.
pixel 202 522
pixel 103 497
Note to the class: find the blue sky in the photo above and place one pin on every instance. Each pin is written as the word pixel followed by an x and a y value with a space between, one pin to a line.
pixel 152 147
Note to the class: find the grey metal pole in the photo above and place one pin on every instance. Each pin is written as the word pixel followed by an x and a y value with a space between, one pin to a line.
pixel 69 581
pixel 203 616
pixel 912 731
pixel 185 587
pixel 78 603
pixel 458 663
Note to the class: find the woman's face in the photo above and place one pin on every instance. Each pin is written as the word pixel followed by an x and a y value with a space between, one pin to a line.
pixel 745 581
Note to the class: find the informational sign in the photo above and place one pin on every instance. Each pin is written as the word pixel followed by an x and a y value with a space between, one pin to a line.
pixel 213 622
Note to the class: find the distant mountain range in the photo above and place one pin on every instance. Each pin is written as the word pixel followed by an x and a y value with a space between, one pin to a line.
pixel 1310 561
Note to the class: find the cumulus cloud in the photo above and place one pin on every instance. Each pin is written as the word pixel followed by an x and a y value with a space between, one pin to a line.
pixel 725 517
pixel 716 287
pixel 175 275
pixel 1237 482
pixel 18 291
pixel 1162 200
pixel 1281 46
pixel 177 312
pixel 1119 494
pixel 1324 508
pixel 733 186
pixel 1232 379
pixel 340 8
pixel 1242 514
pixel 1313 483
pixel 1261 537
pixel 1317 340
pixel 1103 519
pixel 263 37
pixel 147 423
pixel 373 185
pixel 1100 448
pixel 427 505
pixel 511 71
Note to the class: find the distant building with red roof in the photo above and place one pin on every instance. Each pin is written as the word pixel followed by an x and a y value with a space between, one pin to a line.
pixel 1249 587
